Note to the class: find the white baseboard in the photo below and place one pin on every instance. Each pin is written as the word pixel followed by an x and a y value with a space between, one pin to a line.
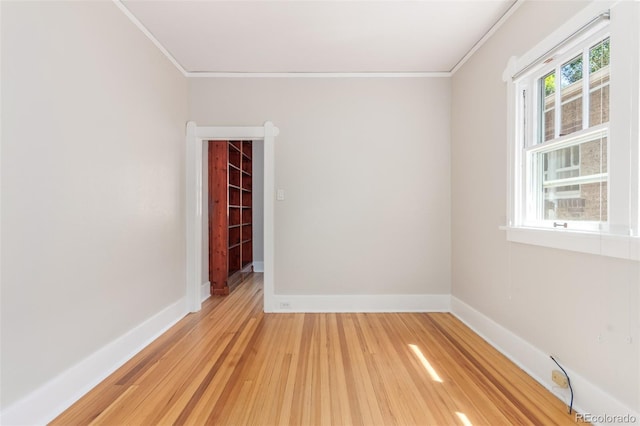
pixel 55 396
pixel 589 398
pixel 205 291
pixel 258 266
pixel 362 303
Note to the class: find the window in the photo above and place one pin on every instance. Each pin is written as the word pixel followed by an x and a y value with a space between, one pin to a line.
pixel 573 138
pixel 565 150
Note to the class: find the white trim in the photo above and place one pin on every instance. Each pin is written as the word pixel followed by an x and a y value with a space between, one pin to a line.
pixel 622 247
pixel 193 182
pixel 195 137
pixel 578 180
pixel 1 133
pixel 515 6
pixel 205 291
pixel 269 185
pixel 362 303
pixel 428 74
pixel 589 398
pixel 49 400
pixel 572 139
pixel 150 36
pixel 258 266
pixel 224 133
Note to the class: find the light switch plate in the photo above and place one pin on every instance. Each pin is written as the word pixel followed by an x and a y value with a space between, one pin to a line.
pixel 280 195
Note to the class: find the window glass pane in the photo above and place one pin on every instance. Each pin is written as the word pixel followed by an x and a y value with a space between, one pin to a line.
pixel 572 71
pixel 547 106
pixel 571 96
pixel 574 182
pixel 599 83
pixel 599 56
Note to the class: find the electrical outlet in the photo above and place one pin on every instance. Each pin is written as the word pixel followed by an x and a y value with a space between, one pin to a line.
pixel 285 305
pixel 559 379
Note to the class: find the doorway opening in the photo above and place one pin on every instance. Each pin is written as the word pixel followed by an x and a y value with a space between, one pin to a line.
pixel 233 217
pixel 197 137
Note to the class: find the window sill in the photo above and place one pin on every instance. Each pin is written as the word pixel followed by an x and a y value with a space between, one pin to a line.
pixel 618 246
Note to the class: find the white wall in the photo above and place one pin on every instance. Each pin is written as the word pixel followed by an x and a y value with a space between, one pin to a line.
pixel 558 301
pixel 93 239
pixel 365 167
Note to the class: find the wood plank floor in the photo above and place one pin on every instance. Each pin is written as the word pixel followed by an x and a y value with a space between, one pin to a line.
pixel 231 364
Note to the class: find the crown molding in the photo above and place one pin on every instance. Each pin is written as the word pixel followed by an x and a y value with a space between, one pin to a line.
pixel 150 36
pixel 515 6
pixel 426 74
pixel 318 74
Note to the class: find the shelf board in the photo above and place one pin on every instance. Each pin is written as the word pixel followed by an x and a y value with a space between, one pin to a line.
pixel 246 241
pixel 234 206
pixel 234 245
pixel 233 166
pixel 235 226
pixel 236 187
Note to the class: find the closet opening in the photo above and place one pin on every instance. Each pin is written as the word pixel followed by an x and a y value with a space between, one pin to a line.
pixel 233 217
pixel 197 142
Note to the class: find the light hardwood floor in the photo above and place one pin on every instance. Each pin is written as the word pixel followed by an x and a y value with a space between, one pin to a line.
pixel 231 364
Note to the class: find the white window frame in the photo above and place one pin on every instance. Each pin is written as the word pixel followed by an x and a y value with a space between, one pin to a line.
pixel 618 237
pixel 530 133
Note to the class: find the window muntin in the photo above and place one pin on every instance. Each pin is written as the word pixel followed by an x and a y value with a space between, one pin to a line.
pixel 566 175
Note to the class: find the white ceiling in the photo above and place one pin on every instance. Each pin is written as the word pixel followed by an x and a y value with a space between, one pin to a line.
pixel 318 36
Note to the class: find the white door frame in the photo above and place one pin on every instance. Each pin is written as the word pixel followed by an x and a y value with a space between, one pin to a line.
pixel 196 137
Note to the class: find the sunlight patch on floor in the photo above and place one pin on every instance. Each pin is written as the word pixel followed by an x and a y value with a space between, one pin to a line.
pixel 463 418
pixel 416 350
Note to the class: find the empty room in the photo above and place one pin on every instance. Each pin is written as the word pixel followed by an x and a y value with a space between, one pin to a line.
pixel 320 212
